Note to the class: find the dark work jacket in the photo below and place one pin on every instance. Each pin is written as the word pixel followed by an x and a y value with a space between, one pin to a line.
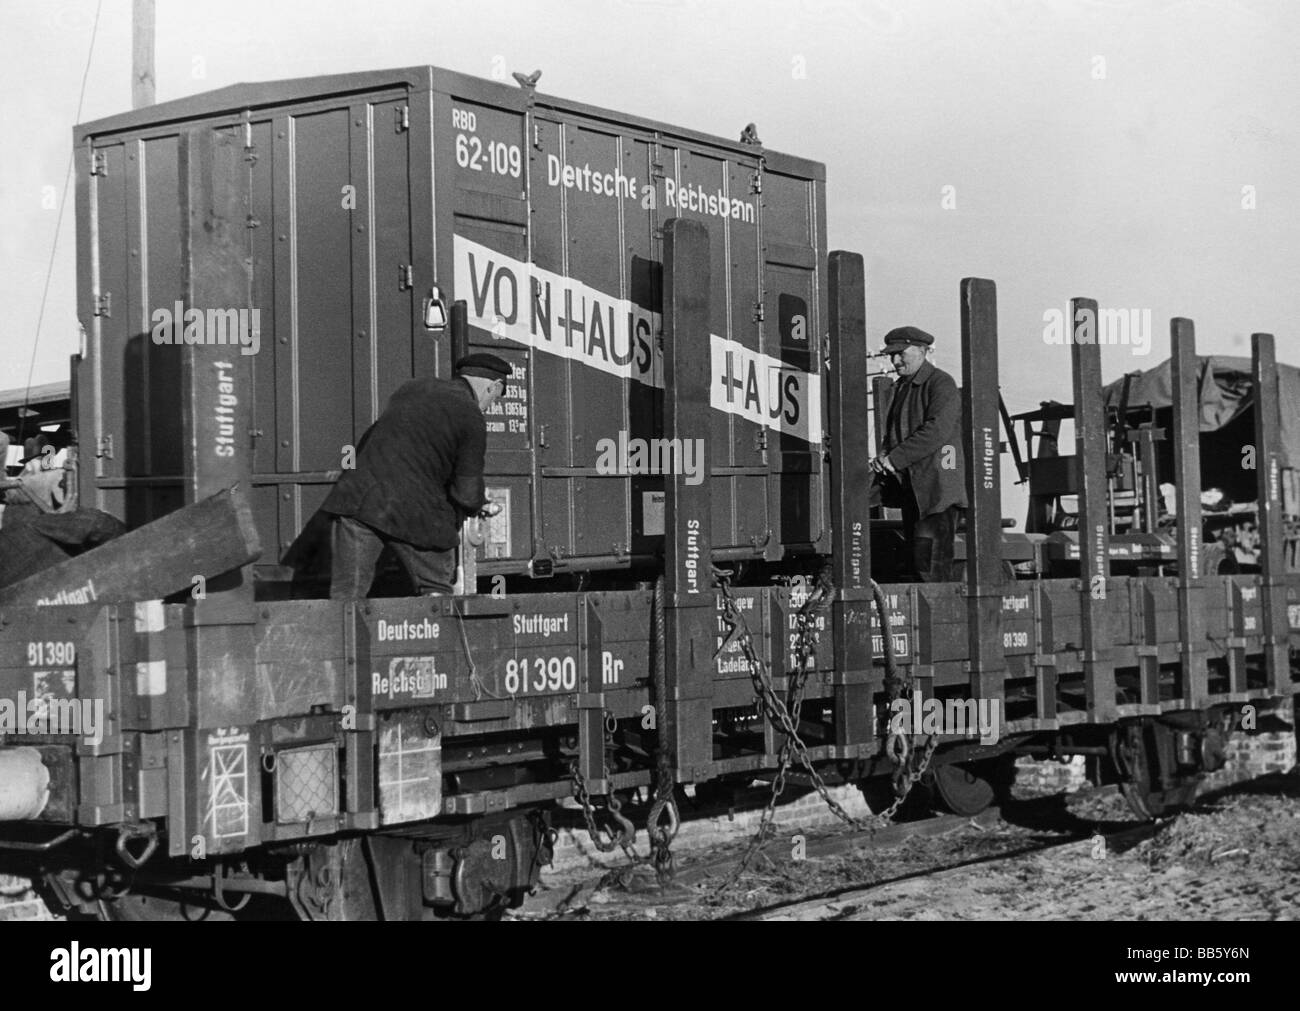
pixel 924 418
pixel 419 468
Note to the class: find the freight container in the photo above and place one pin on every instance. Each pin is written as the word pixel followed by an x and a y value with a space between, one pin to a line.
pixel 343 204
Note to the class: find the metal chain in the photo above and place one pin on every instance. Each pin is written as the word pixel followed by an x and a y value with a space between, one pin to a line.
pixel 782 714
pixel 627 831
pixel 787 717
pixel 661 832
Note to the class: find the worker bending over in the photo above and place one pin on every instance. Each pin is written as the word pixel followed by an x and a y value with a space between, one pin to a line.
pixel 419 475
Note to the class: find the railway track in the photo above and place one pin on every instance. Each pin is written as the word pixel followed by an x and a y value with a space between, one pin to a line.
pixel 839 903
pixel 703 878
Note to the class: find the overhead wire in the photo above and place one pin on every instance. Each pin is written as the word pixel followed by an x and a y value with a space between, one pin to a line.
pixel 58 227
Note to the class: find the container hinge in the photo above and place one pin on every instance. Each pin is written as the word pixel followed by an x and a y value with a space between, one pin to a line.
pixel 541 436
pixel 756 182
pixel 537 135
pixel 405 277
pixel 104 304
pixel 402 119
pixel 99 163
pixel 252 222
pixel 759 314
pixel 760 440
pixel 104 447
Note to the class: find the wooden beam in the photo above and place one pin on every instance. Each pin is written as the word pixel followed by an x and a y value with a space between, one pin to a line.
pixel 143 83
pixel 1094 521
pixel 985 580
pixel 205 539
pixel 850 475
pixel 686 713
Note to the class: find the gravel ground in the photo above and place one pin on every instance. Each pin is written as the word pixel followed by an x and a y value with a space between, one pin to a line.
pixel 1236 856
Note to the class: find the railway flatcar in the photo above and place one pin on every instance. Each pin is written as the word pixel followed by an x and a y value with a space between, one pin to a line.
pixel 265 750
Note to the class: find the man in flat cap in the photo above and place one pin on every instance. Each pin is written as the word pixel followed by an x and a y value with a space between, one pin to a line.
pixel 419 475
pixel 921 450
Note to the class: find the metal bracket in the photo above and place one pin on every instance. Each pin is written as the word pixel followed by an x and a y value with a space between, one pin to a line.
pixel 401 119
pixel 104 304
pixel 99 163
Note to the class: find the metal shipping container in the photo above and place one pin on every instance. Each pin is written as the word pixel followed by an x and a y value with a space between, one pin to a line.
pixel 342 201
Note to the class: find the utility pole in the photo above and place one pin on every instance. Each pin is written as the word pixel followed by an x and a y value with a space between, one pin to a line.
pixel 142 79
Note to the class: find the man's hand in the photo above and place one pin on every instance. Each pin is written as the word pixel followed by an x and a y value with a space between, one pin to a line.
pixel 881 465
pixel 489 510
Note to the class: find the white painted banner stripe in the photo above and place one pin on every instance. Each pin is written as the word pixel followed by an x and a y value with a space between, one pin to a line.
pixel 537 308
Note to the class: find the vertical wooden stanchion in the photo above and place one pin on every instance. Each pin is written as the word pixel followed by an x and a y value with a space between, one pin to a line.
pixel 690 601
pixel 985 581
pixel 224 788
pixel 1094 522
pixel 850 478
pixel 1187 491
pixel 1268 471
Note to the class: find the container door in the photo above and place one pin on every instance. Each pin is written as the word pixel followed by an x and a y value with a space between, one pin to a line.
pixel 716 192
pixel 793 335
pixel 486 210
pixel 109 334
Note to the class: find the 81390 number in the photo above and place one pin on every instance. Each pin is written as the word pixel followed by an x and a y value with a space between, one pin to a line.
pixel 541 674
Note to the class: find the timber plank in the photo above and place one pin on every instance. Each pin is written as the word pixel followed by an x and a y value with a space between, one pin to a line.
pixel 206 539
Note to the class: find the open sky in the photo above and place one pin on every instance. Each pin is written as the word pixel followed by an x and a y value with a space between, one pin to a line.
pixel 1146 154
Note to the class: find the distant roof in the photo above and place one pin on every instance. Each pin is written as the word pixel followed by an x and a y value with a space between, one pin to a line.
pixel 42 394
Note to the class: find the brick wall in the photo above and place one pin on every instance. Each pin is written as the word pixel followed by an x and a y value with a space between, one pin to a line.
pixel 1039 779
pixel 1271 748
pixel 19 902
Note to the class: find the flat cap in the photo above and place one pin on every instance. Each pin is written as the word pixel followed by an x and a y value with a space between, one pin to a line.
pixel 907 336
pixel 484 365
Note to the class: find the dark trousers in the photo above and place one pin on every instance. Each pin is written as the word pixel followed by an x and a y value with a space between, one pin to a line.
pixel 357 548
pixel 931 538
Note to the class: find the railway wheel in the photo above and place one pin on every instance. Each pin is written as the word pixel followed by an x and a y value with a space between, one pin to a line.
pixel 962 788
pixel 1160 765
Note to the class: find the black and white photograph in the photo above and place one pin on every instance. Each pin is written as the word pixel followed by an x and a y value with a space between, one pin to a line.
pixel 645 461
